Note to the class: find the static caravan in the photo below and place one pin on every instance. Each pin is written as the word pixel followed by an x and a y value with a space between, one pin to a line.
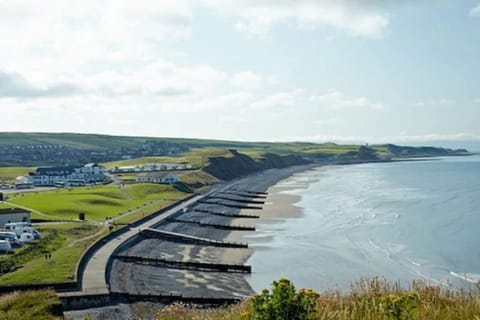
pixel 5 246
pixel 10 236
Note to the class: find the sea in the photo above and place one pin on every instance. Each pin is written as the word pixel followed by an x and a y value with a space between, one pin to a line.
pixel 402 221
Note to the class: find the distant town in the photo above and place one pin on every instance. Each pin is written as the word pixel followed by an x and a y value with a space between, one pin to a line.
pixel 35 154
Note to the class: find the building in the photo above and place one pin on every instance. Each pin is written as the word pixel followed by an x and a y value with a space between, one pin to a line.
pixel 23 182
pixel 67 176
pixel 13 215
pixel 157 177
pixel 149 167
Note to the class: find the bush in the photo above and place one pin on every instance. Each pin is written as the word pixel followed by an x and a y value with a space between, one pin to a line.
pixel 284 302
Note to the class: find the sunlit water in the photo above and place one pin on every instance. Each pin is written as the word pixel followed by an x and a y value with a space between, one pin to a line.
pixel 401 221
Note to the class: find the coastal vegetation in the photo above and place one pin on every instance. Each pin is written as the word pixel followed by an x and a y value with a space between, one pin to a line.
pixel 32 305
pixel 64 242
pixel 373 299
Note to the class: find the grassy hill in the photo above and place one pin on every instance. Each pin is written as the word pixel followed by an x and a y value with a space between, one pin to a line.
pixel 96 202
pixel 100 141
pixel 82 148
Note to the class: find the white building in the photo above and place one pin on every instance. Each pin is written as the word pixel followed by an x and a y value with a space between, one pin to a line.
pixel 157 177
pixel 23 182
pixel 68 176
pixel 150 167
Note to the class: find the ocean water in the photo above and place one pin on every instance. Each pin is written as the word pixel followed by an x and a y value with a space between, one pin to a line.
pixel 402 221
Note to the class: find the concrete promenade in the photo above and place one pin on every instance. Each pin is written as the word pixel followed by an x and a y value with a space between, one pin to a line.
pixel 94 277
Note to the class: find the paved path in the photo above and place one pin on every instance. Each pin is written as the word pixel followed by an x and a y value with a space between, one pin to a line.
pixel 94 277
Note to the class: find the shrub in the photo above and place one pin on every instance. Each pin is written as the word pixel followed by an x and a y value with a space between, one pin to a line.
pixel 284 302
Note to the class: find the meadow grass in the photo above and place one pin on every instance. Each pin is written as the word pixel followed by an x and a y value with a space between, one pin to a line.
pixel 143 212
pixel 5 206
pixel 29 305
pixel 65 242
pixel 330 149
pixel 374 299
pixel 193 177
pixel 96 202
pixel 197 157
pixel 8 174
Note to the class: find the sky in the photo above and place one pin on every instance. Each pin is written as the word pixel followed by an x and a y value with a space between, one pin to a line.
pixel 272 70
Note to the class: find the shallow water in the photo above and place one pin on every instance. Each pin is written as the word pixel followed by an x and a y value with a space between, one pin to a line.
pixel 402 221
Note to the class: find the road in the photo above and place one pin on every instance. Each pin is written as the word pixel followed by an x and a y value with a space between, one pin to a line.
pixel 94 277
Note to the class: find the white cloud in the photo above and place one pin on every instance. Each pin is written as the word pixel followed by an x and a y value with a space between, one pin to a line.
pixel 418 104
pixel 475 11
pixel 425 138
pixel 44 37
pixel 15 85
pixel 360 18
pixel 279 100
pixel 336 100
pixel 476 100
pixel 247 80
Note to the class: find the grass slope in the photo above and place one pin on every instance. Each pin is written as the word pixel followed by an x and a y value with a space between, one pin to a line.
pixel 65 242
pixel 99 141
pixel 31 305
pixel 96 202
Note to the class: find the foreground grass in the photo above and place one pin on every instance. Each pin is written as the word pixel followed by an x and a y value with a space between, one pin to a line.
pixel 65 242
pixel 96 202
pixel 367 300
pixel 32 305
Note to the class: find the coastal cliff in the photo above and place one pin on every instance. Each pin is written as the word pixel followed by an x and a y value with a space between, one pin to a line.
pixel 239 164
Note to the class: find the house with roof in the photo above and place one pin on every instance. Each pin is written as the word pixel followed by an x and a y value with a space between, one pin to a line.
pixel 67 176
pixel 157 177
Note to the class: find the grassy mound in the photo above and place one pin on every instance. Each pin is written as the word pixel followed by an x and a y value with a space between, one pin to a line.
pixel 96 202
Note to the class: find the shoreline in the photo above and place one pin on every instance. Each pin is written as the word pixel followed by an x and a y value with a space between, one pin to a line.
pixel 149 279
pixel 278 207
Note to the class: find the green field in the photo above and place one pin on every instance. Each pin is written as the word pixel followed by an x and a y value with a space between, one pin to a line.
pixel 4 206
pixel 65 242
pixel 96 202
pixel 330 149
pixel 8 174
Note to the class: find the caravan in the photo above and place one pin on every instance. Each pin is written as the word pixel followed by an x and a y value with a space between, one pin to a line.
pixel 5 246
pixel 22 228
pixel 27 237
pixel 11 237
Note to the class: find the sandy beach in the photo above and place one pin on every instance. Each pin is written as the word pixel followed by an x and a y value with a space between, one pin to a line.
pixel 224 203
